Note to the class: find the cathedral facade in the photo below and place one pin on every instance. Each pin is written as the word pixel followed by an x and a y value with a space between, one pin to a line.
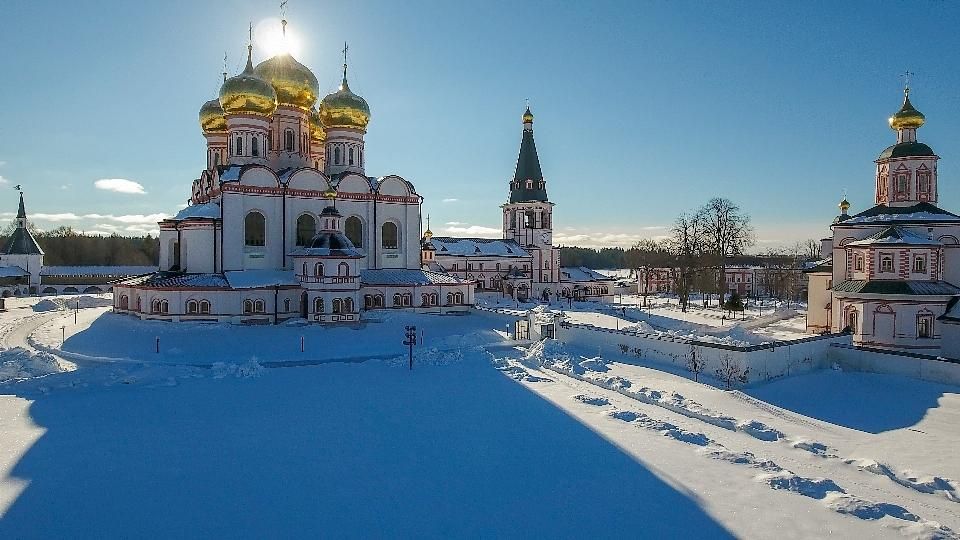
pixel 284 221
pixel 888 273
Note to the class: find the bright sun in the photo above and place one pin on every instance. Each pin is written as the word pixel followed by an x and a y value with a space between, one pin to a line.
pixel 271 41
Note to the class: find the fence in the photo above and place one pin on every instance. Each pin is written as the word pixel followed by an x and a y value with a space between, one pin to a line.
pixel 876 360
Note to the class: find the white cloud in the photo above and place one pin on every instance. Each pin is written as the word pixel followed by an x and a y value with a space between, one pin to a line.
pixel 473 230
pixel 455 223
pixel 450 200
pixel 120 185
pixel 4 180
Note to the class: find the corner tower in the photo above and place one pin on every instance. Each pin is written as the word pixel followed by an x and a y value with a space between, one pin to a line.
pixel 907 170
pixel 528 215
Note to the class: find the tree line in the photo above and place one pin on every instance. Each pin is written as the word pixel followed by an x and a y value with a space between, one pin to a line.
pixel 65 247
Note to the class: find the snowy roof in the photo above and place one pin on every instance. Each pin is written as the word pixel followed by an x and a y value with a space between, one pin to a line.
pixel 255 279
pixel 477 247
pixel 400 276
pixel 210 210
pixel 328 244
pixel 823 265
pixel 230 173
pixel 895 235
pixel 919 213
pixel 175 280
pixel 116 271
pixel 582 273
pixel 12 271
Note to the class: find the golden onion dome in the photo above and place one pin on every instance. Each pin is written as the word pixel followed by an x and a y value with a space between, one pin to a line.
pixel 528 117
pixel 344 109
pixel 317 132
pixel 247 93
pixel 907 117
pixel 295 84
pixel 211 117
pixel 844 205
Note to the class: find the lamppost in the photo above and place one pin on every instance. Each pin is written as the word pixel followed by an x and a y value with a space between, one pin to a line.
pixel 411 335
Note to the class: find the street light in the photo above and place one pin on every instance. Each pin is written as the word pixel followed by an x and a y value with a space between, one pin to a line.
pixel 411 335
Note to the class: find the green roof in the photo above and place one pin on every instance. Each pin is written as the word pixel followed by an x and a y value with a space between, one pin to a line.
pixel 906 149
pixel 893 286
pixel 528 168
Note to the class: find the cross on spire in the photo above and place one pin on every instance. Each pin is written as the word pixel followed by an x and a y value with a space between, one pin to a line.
pixel 224 66
pixel 906 81
pixel 346 48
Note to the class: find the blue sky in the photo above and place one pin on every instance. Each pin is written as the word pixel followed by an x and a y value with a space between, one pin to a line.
pixel 643 109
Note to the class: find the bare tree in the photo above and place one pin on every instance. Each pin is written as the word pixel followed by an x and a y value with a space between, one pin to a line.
pixel 696 363
pixel 727 232
pixel 686 248
pixel 651 256
pixel 731 371
pixel 810 249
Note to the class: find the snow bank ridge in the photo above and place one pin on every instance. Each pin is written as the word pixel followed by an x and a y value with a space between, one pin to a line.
pixel 19 363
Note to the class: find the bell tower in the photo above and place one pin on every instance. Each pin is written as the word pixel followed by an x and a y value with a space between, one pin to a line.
pixel 907 170
pixel 528 215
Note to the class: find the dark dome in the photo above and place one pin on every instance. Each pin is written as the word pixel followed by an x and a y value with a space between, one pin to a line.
pixel 330 211
pixel 336 242
pixel 906 149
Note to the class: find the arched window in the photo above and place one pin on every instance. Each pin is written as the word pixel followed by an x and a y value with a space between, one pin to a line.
pixel 286 305
pixel 259 306
pixel 336 155
pixel 204 307
pixel 389 235
pixel 216 158
pixel 459 298
pixel 337 305
pixel 254 229
pixel 318 305
pixel 155 306
pixel 318 270
pixel 248 306
pixel 304 270
pixel 288 140
pixel 348 305
pixel 306 228
pixel 449 298
pixel 434 299
pixel 425 300
pixel 139 305
pixel 124 302
pixel 378 301
pixel 254 147
pixel 407 299
pixel 361 156
pixel 238 151
pixel 343 269
pixel 164 306
pixel 367 301
pixel 353 228
pixel 192 307
pixel 350 156
pixel 316 164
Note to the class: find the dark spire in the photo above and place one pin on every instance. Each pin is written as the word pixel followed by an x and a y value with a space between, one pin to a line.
pixel 21 213
pixel 528 168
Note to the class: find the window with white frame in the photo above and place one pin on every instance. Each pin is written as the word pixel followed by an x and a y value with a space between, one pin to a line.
pixel 858 262
pixel 920 264
pixel 886 262
pixel 924 326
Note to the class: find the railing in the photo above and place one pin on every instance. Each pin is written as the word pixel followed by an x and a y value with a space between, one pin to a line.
pixel 326 279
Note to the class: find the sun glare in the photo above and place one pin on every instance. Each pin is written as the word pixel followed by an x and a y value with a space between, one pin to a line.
pixel 271 41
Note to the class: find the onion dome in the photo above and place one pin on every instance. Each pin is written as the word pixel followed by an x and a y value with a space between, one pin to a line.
pixel 344 109
pixel 844 205
pixel 295 84
pixel 330 211
pixel 247 93
pixel 211 117
pixel 317 132
pixel 907 117
pixel 528 117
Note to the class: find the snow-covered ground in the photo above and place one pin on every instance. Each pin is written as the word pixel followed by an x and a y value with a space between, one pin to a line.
pixel 219 435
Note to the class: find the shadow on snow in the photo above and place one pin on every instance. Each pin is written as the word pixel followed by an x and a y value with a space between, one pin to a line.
pixel 346 449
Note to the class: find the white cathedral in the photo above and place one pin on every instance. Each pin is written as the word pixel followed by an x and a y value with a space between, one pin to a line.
pixel 284 222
